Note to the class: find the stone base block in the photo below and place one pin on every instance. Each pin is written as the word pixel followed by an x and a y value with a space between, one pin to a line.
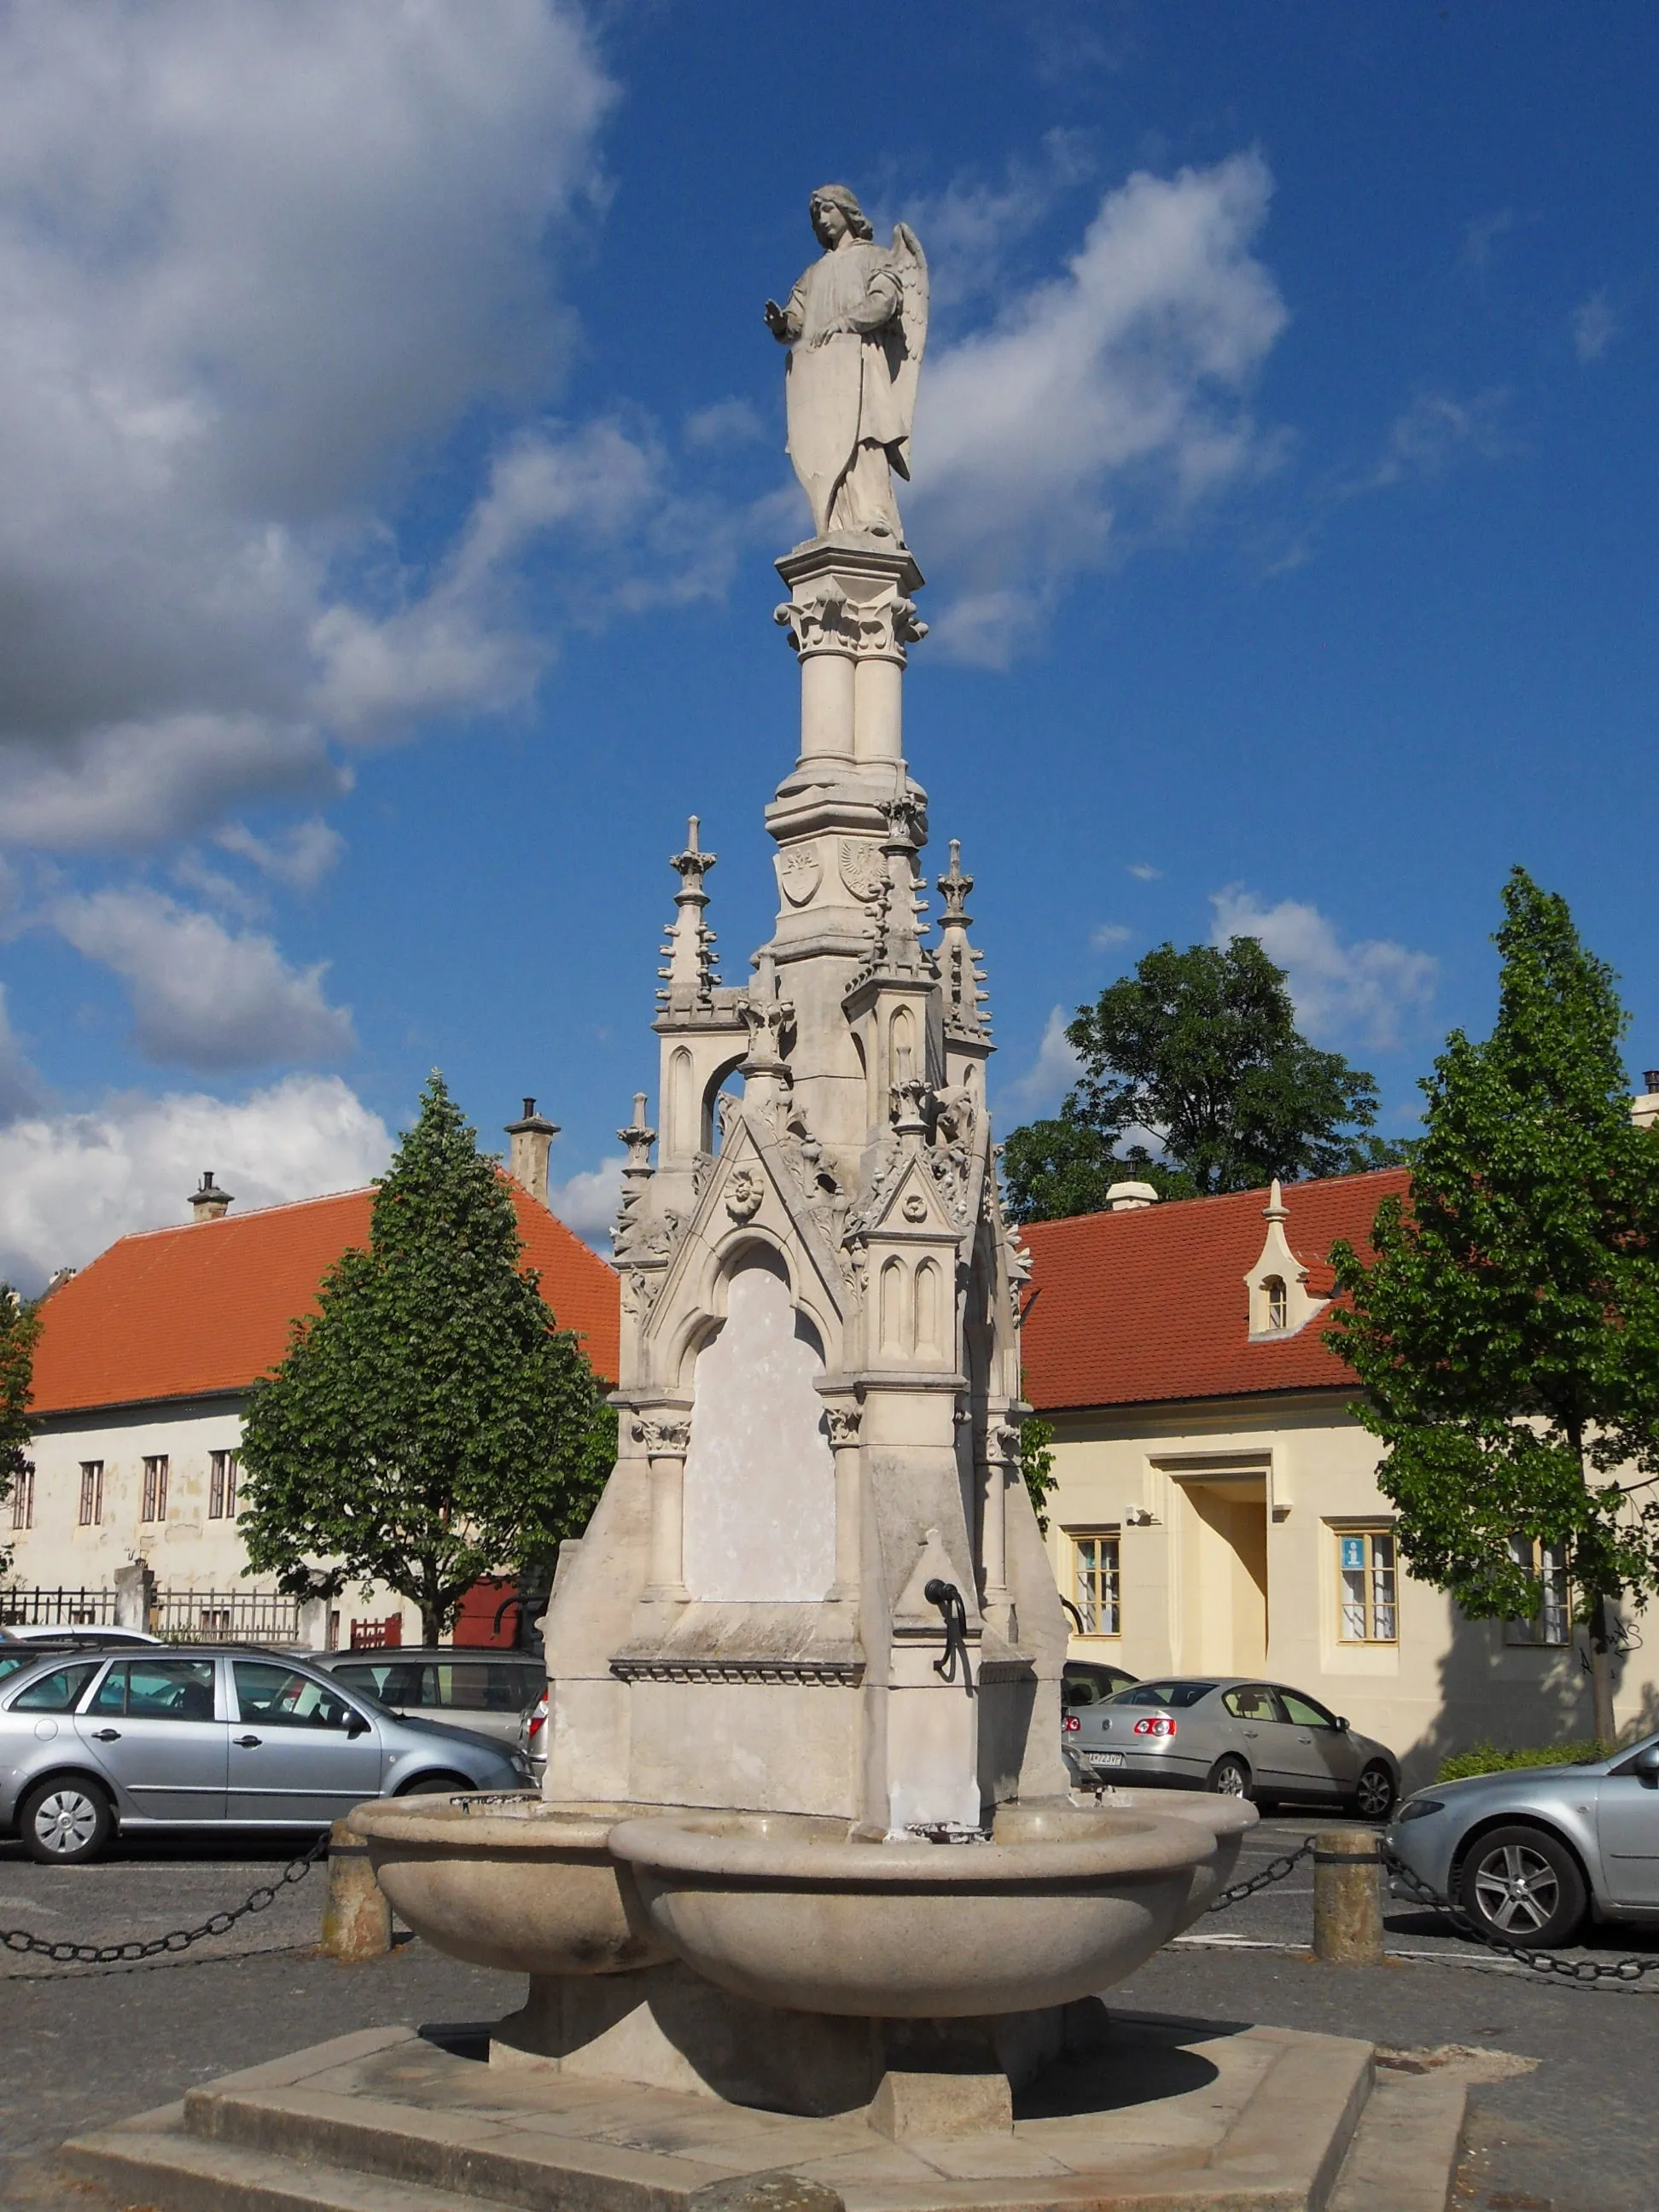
pixel 1166 2116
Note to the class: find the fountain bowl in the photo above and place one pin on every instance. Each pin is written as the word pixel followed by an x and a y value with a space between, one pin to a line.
pixel 788 1911
pixel 511 1882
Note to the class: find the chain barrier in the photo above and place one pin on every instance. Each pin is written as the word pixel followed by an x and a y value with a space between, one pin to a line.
pixel 1586 1971
pixel 180 1939
pixel 1275 1870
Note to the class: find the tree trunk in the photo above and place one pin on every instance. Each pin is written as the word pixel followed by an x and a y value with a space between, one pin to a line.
pixel 1600 1645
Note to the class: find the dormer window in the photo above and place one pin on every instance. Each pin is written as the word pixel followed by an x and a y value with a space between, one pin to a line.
pixel 1278 1304
pixel 1281 1299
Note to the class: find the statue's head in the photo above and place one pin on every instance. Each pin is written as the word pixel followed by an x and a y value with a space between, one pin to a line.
pixel 835 208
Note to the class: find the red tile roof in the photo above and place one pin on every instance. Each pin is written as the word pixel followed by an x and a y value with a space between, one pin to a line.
pixel 177 1313
pixel 1129 1308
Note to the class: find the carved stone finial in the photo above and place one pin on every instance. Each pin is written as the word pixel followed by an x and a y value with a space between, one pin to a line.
pixel 955 887
pixel 965 1008
pixel 690 980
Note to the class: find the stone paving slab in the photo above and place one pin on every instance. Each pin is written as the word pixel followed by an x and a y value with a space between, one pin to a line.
pixel 1172 2115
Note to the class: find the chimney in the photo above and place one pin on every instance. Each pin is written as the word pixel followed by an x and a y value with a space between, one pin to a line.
pixel 1130 1197
pixel 209 1204
pixel 533 1140
pixel 1644 1110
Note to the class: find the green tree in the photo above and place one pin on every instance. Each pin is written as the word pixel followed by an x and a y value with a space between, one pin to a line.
pixel 1506 1328
pixel 429 1423
pixel 1200 1050
pixel 1037 1464
pixel 19 1330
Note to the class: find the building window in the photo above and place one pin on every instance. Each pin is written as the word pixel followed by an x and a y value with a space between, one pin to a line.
pixel 92 1492
pixel 1095 1584
pixel 156 1488
pixel 1279 1305
pixel 1367 1569
pixel 223 1469
pixel 22 1497
pixel 1553 1622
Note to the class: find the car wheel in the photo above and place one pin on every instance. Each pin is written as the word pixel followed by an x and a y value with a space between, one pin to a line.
pixel 1521 1886
pixel 65 1823
pixel 1373 1793
pixel 1229 1778
pixel 436 1785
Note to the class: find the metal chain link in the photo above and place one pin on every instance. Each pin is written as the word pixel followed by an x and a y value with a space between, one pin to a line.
pixel 1275 1870
pixel 1587 1970
pixel 180 1939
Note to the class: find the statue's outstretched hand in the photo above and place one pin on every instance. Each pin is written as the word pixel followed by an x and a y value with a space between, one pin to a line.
pixel 776 321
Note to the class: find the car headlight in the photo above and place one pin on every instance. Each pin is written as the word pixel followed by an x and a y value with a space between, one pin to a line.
pixel 1419 1808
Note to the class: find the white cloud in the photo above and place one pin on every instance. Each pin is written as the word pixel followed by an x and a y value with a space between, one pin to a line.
pixel 299 857
pixel 71 1183
pixel 1144 871
pixel 202 998
pixel 1594 327
pixel 587 1203
pixel 1109 934
pixel 1365 989
pixel 1051 1074
pixel 1481 233
pixel 731 422
pixel 21 1088
pixel 1125 374
pixel 251 252
pixel 1433 433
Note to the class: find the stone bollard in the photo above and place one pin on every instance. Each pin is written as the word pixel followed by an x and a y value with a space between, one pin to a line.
pixel 357 1919
pixel 1347 1896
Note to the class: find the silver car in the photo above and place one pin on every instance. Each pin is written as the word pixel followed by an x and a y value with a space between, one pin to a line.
pixel 1238 1737
pixel 189 1736
pixel 479 1688
pixel 1527 1852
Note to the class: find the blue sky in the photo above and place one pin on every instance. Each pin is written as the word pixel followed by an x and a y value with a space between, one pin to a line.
pixel 394 453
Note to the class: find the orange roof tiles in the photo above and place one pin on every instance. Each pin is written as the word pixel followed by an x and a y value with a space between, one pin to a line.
pixel 1129 1308
pixel 180 1313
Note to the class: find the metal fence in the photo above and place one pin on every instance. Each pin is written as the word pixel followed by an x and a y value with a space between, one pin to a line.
pixel 239 1616
pixel 226 1616
pixel 22 1607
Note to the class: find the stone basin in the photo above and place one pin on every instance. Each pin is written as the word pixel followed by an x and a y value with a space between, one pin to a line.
pixel 786 1910
pixel 511 1882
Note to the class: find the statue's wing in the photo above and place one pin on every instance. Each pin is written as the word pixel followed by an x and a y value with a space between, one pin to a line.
pixel 910 266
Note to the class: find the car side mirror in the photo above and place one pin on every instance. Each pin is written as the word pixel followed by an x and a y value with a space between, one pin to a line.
pixel 357 1724
pixel 1646 1767
pixel 1342 1722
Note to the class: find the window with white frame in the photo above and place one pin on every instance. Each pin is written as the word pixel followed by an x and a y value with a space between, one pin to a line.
pixel 1278 1302
pixel 22 1497
pixel 1095 1588
pixel 155 1487
pixel 224 1470
pixel 1553 1622
pixel 1367 1569
pixel 92 1492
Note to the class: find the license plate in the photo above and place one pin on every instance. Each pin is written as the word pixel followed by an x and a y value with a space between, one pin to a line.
pixel 1104 1757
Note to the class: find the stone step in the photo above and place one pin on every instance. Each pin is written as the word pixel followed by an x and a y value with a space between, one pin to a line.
pixel 1404 2154
pixel 153 2162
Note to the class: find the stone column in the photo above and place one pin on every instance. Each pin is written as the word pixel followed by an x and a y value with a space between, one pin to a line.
pixel 844 1424
pixel 665 1444
pixel 135 1594
pixel 1002 1461
pixel 850 617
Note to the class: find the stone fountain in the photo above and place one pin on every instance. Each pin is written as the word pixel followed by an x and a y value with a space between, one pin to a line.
pixel 805 1850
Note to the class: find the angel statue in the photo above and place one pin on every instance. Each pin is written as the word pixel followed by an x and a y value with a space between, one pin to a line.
pixel 855 325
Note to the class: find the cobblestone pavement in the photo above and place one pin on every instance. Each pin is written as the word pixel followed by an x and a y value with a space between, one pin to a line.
pixel 85 2045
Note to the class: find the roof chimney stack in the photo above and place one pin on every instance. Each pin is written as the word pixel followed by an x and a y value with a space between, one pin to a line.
pixel 209 1204
pixel 533 1140
pixel 1130 1197
pixel 1644 1110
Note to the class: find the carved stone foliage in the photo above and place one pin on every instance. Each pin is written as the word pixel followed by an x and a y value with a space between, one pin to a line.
pixel 641 1288
pixel 663 1439
pixel 843 1423
pixel 640 1238
pixel 821 617
pixel 744 1194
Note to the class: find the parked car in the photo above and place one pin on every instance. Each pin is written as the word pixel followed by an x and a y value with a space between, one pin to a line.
pixel 1238 1737
pixel 74 1632
pixel 533 1741
pixel 1528 1851
pixel 185 1736
pixel 19 1648
pixel 485 1690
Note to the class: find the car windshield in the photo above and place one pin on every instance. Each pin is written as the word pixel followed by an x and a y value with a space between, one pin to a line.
pixel 1178 1694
